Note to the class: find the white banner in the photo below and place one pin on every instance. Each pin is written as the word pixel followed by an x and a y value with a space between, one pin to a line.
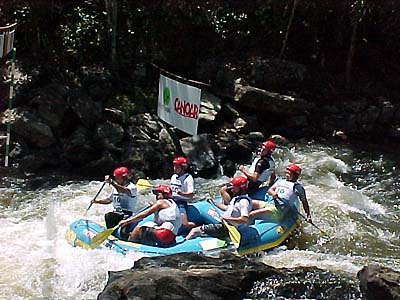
pixel 179 104
pixel 6 42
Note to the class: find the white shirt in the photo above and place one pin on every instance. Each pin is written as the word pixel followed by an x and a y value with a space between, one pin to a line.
pixel 123 201
pixel 183 183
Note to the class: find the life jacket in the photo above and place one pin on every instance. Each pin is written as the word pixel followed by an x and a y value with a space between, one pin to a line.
pixel 177 184
pixel 122 201
pixel 286 195
pixel 267 172
pixel 170 214
pixel 230 211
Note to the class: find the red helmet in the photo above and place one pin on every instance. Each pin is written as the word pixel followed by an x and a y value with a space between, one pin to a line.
pixel 121 171
pixel 269 145
pixel 240 182
pixel 180 160
pixel 164 189
pixel 293 168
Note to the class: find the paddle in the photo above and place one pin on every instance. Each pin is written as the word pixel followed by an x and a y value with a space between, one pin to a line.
pixel 321 230
pixel 91 202
pixel 303 216
pixel 103 235
pixel 234 234
pixel 99 238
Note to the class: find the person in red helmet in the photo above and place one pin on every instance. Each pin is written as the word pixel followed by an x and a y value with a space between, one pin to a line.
pixel 286 191
pixel 182 184
pixel 235 213
pixel 123 196
pixel 167 221
pixel 262 168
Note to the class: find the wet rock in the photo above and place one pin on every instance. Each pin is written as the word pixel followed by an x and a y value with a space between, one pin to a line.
pixel 198 150
pixel 191 276
pixel 263 100
pixel 379 283
pixel 186 276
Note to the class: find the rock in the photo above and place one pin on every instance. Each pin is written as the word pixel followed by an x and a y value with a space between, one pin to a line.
pixel 198 151
pixel 108 134
pixel 379 283
pixel 193 276
pixel 263 100
pixel 186 276
pixel 89 112
pixel 278 74
pixel 115 116
pixel 29 126
pixel 78 148
pixel 210 106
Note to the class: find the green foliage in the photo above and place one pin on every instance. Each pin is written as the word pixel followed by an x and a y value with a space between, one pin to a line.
pixel 84 31
pixel 63 36
pixel 137 100
pixel 123 103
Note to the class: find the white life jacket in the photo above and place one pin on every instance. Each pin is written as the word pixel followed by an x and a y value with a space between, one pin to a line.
pixel 267 172
pixel 170 215
pixel 178 184
pixel 123 201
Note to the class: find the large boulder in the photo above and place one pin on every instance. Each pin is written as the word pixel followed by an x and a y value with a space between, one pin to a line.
pixel 278 74
pixel 199 152
pixel 186 276
pixel 192 276
pixel 378 282
pixel 262 100
pixel 29 126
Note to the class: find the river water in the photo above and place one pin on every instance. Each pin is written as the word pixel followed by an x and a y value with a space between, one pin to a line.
pixel 353 195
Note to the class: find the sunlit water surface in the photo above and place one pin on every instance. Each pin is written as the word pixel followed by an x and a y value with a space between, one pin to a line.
pixel 353 195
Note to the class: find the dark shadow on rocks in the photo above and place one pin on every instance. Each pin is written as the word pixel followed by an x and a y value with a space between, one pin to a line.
pixel 192 276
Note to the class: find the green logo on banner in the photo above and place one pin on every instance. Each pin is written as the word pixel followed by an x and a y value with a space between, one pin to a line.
pixel 166 96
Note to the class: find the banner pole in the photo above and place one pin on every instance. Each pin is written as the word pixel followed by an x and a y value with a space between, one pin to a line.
pixel 10 100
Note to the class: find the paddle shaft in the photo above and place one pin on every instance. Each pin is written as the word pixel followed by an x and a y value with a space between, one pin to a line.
pixel 95 197
pixel 141 182
pixel 103 235
pixel 304 217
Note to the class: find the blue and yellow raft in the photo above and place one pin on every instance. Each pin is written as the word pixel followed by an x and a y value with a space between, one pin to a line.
pixel 260 234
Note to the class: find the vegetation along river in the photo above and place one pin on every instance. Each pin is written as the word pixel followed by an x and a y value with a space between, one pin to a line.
pixel 354 196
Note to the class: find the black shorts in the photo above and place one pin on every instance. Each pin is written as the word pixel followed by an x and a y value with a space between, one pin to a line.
pixel 215 230
pixel 114 217
pixel 253 187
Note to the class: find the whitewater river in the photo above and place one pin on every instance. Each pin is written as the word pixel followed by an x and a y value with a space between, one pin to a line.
pixel 353 195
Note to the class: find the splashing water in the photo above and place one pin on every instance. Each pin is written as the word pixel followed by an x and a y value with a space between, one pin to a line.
pixel 353 196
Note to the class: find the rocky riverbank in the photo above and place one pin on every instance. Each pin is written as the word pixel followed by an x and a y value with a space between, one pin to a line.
pixel 66 129
pixel 190 276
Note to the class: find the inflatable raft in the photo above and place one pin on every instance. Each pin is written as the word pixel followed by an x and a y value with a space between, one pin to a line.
pixel 260 234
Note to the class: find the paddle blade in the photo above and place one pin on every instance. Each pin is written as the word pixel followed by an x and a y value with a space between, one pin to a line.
pixel 99 238
pixel 234 234
pixel 143 184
